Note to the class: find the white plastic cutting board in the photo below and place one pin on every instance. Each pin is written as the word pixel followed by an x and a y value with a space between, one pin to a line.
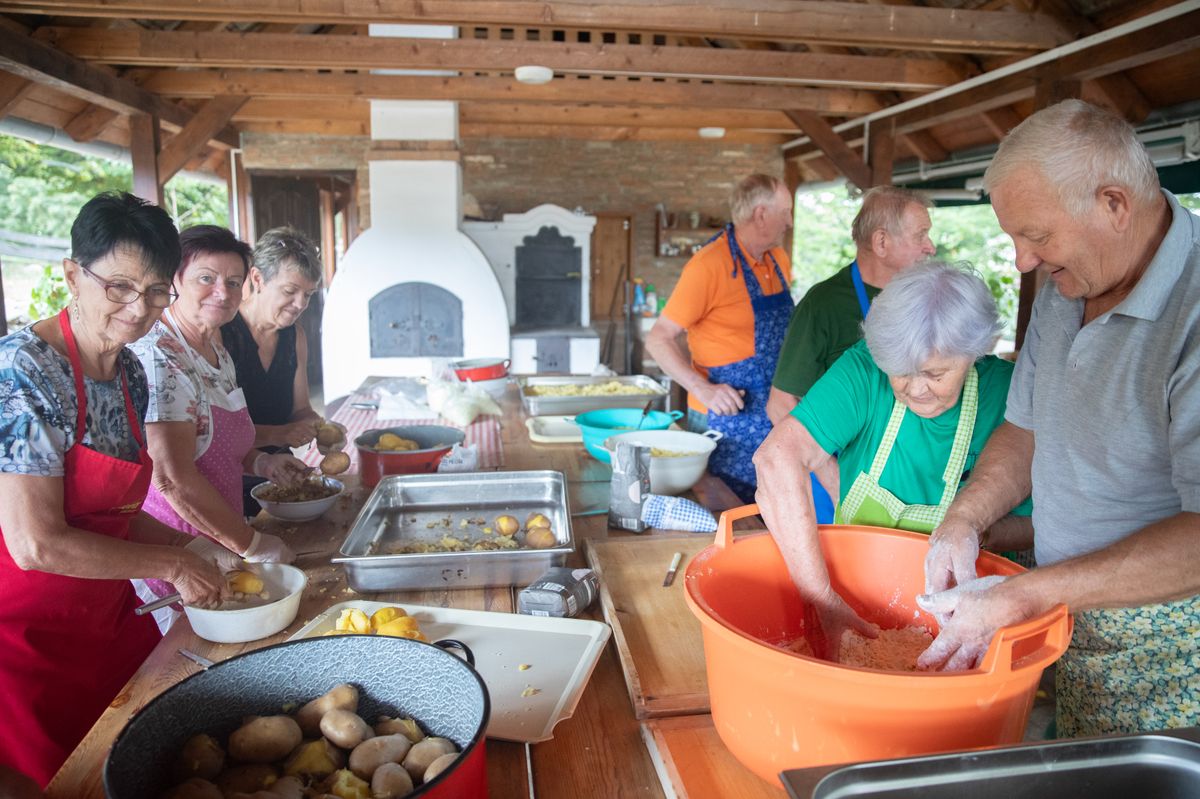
pixel 560 655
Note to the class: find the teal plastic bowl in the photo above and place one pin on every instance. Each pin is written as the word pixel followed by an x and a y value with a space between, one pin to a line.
pixel 599 425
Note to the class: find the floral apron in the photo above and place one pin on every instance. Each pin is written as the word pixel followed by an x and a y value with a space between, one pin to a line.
pixel 67 644
pixel 1131 670
pixel 220 463
pixel 744 431
pixel 867 502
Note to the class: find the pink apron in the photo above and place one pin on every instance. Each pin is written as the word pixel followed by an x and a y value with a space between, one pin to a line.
pixel 67 644
pixel 220 463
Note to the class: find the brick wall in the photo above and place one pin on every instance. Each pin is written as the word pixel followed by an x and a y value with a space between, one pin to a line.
pixel 514 175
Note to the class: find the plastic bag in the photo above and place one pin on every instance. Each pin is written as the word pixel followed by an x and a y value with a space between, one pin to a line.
pixel 462 458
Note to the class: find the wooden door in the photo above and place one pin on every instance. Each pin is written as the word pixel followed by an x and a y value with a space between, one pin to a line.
pixel 612 253
pixel 294 201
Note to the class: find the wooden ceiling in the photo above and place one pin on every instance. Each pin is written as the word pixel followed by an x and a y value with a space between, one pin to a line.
pixel 936 78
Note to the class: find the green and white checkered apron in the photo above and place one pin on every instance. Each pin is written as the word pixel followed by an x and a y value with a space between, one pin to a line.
pixel 867 502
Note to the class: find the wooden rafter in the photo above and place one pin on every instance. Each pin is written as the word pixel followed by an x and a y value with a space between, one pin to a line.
pixel 290 86
pixel 13 89
pixel 42 64
pixel 834 147
pixel 819 21
pixel 190 141
pixel 299 51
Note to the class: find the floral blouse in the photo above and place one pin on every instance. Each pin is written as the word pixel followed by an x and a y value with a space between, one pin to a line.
pixel 38 407
pixel 182 383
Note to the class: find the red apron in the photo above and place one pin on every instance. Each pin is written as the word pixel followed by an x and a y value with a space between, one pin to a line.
pixel 68 645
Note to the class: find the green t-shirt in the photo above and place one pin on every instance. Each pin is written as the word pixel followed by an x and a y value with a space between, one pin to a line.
pixel 824 325
pixel 847 411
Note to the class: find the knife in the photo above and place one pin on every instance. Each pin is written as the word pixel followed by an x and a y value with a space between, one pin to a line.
pixel 674 567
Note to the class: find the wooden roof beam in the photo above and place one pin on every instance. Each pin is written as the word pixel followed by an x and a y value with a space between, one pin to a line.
pixel 304 86
pixel 13 89
pixel 834 147
pixel 298 51
pixel 190 141
pixel 814 21
pixel 45 65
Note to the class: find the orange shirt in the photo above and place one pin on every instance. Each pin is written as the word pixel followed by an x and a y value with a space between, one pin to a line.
pixel 713 305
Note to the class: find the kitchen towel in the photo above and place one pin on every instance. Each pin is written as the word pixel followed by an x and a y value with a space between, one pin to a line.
pixel 677 513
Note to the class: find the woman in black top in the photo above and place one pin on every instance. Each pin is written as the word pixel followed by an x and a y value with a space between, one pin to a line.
pixel 269 350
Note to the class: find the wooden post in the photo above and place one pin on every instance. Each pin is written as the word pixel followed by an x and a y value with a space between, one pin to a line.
pixel 882 146
pixel 328 234
pixel 1047 92
pixel 144 147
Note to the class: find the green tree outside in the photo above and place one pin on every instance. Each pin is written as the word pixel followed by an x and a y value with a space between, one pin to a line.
pixel 41 191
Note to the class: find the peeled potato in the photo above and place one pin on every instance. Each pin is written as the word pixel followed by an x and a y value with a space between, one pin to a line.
pixel 353 620
pixel 536 519
pixel 540 538
pixel 506 525
pixel 335 463
pixel 384 615
pixel 399 627
pixel 244 582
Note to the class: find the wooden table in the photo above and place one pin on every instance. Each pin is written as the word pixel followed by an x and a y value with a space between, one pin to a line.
pixel 598 752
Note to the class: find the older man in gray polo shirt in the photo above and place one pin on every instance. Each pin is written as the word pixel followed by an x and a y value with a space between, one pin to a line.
pixel 1103 425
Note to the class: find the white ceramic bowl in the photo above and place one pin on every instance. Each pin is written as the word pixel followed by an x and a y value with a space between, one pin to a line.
pixel 672 475
pixel 284 584
pixel 495 388
pixel 298 511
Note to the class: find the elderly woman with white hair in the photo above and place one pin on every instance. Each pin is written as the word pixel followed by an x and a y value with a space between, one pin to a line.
pixel 895 427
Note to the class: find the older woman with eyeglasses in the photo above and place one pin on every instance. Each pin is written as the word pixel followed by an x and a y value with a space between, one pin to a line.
pixel 894 428
pixel 198 427
pixel 73 475
pixel 270 350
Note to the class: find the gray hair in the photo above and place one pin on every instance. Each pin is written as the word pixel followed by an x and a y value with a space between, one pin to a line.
pixel 751 192
pixel 930 309
pixel 1078 148
pixel 287 248
pixel 883 208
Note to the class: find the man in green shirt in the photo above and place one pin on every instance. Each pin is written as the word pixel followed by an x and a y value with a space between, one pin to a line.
pixel 891 233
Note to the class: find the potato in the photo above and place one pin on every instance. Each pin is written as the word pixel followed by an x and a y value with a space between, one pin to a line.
pixel 441 764
pixel 339 697
pixel 353 620
pixel 540 538
pixel 316 759
pixel 384 615
pixel 329 435
pixel 370 755
pixel 335 463
pixel 506 525
pixel 201 757
pixel 422 755
pixel 246 779
pixel 391 781
pixel 400 726
pixel 348 786
pixel 536 519
pixel 265 739
pixel 197 788
pixel 399 627
pixel 345 729
pixel 287 788
pixel 244 582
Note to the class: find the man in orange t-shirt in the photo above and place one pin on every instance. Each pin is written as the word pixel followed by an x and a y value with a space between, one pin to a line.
pixel 733 304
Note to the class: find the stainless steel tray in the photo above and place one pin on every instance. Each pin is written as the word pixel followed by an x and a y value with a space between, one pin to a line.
pixel 554 406
pixel 415 507
pixel 1162 764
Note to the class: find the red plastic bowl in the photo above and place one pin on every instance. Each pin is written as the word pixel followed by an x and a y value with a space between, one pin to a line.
pixel 434 441
pixel 477 369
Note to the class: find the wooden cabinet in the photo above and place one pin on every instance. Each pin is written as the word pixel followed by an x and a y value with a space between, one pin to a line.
pixel 681 242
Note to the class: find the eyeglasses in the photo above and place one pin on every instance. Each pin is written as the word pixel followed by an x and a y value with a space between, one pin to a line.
pixel 296 248
pixel 126 294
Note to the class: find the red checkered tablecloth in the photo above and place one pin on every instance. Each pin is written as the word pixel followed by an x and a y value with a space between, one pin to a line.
pixel 484 432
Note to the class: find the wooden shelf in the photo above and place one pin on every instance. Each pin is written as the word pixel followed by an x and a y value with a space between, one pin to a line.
pixel 681 242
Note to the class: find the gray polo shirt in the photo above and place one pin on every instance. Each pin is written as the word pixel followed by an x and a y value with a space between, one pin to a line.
pixel 1114 406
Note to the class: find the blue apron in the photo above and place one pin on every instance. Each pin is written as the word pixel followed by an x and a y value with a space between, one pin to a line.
pixel 823 504
pixel 744 431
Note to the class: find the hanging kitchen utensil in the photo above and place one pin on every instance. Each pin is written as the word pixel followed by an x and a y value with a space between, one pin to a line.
pixel 645 411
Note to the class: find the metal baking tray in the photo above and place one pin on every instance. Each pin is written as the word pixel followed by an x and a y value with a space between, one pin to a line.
pixel 1165 764
pixel 564 406
pixel 415 507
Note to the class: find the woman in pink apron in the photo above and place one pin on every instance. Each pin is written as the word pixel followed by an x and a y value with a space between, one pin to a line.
pixel 198 428
pixel 73 474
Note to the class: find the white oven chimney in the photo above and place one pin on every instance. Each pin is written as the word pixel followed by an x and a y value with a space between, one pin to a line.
pixel 412 287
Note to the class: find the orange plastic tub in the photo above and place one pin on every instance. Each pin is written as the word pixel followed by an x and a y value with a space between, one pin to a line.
pixel 777 710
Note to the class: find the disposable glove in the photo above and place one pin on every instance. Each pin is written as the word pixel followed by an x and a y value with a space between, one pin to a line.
pixel 214 553
pixel 953 550
pixel 971 621
pixel 267 548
